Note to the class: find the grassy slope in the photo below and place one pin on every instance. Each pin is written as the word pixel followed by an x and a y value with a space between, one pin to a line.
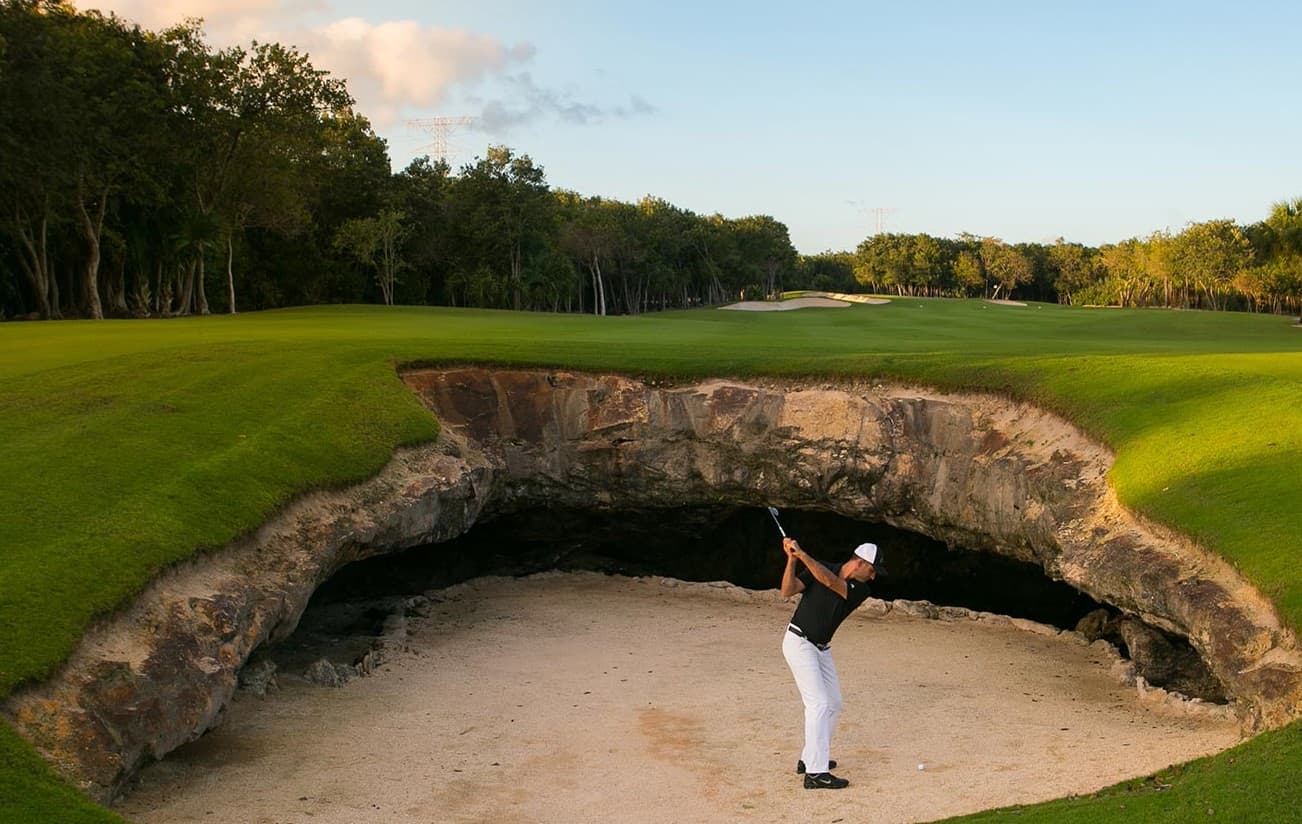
pixel 1254 782
pixel 130 444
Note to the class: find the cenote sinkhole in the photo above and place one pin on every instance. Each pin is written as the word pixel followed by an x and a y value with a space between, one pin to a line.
pixel 739 545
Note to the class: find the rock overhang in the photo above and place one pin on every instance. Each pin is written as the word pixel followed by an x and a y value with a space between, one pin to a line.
pixel 973 470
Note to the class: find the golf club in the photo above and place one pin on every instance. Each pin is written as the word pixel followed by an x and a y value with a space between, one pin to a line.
pixel 774 512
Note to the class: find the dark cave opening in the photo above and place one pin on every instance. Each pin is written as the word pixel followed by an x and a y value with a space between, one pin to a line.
pixel 740 545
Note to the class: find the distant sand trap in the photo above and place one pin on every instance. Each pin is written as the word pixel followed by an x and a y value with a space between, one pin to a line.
pixel 787 305
pixel 868 299
pixel 810 300
pixel 1002 302
pixel 585 698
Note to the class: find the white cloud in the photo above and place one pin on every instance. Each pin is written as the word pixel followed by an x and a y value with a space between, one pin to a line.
pixel 402 64
pixel 226 21
pixel 391 68
pixel 394 69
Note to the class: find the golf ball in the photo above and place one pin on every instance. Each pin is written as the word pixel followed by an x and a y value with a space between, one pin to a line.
pixel 922 767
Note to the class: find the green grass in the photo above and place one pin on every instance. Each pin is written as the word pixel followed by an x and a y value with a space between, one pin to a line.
pixel 129 445
pixel 1253 782
pixel 31 793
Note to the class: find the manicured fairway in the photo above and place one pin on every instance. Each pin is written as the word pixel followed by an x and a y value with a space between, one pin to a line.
pixel 131 444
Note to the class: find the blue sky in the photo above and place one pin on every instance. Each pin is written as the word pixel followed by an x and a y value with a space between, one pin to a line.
pixel 1093 121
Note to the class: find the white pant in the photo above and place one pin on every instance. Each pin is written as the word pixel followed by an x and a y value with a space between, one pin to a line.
pixel 815 675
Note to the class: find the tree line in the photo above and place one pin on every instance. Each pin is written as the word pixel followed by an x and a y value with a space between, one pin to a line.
pixel 150 174
pixel 1215 264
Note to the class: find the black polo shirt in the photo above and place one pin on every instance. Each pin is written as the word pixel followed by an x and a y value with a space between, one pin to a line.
pixel 821 610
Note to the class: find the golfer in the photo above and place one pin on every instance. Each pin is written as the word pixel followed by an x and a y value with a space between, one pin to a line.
pixel 830 594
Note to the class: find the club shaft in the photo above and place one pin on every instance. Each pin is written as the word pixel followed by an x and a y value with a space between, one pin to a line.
pixel 774 513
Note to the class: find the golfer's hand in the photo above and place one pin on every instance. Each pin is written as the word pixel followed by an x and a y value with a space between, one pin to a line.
pixel 790 547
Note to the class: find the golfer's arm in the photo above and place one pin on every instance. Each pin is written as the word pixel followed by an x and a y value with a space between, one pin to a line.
pixel 791 585
pixel 825 576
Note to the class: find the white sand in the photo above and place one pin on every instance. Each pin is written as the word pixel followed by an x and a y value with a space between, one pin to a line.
pixel 787 305
pixel 868 299
pixel 1004 302
pixel 578 697
pixel 810 300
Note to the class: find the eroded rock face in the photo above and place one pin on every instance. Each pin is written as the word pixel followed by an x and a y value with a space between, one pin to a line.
pixel 161 673
pixel 975 471
pixel 1159 661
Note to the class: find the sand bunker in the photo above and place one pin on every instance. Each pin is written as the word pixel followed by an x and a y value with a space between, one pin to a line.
pixel 787 305
pixel 810 300
pixel 1004 302
pixel 868 299
pixel 579 697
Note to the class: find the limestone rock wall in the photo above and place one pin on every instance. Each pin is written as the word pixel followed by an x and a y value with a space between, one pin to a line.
pixel 976 471
pixel 160 674
pixel 973 470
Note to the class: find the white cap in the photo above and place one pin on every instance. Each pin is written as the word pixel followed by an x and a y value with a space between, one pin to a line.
pixel 867 551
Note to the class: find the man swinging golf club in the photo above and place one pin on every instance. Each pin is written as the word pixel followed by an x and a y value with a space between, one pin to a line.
pixel 829 595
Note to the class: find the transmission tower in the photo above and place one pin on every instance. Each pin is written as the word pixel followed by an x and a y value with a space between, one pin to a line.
pixel 880 213
pixel 439 128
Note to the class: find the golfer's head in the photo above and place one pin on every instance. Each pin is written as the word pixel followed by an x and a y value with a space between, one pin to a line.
pixel 866 562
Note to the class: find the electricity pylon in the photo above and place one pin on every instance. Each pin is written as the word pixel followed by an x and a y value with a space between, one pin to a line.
pixel 439 128
pixel 881 213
